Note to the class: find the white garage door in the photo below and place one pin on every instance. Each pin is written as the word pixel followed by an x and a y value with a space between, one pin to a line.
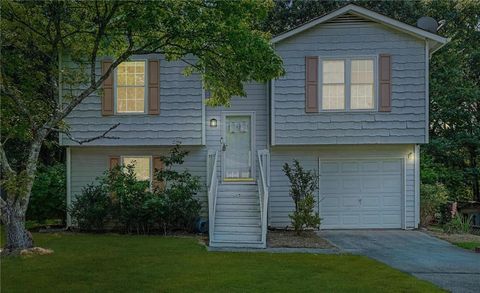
pixel 363 193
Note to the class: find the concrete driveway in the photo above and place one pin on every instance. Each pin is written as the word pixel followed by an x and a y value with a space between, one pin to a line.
pixel 414 252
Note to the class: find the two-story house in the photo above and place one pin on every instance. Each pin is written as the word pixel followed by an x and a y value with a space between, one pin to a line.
pixel 353 106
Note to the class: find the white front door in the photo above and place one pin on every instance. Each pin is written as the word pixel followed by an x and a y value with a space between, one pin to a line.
pixel 361 193
pixel 237 149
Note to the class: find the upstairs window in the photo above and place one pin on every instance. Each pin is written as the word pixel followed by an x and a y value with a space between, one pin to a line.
pixel 347 84
pixel 131 87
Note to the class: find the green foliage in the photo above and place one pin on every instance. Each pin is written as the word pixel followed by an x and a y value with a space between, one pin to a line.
pixel 458 225
pixel 91 210
pixel 48 199
pixel 180 207
pixel 432 198
pixel 303 185
pixel 128 196
pixel 304 216
pixel 131 204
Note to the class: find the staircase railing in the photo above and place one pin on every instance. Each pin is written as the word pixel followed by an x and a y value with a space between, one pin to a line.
pixel 263 190
pixel 212 181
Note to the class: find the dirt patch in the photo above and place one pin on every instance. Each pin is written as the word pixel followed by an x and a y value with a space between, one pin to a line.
pixel 287 238
pixel 454 238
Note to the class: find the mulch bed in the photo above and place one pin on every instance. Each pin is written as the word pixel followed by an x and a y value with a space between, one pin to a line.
pixel 454 238
pixel 288 238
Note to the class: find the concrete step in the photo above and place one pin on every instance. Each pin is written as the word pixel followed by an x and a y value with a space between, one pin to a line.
pixel 237 244
pixel 247 207
pixel 238 194
pixel 255 228
pixel 237 236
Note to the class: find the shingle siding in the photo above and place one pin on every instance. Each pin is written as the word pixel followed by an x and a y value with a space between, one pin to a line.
pixel 405 123
pixel 179 120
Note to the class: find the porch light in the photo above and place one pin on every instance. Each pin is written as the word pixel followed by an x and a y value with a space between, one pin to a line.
pixel 213 122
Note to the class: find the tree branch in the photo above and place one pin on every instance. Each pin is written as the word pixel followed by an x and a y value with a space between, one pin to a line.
pixel 82 141
pixel 4 161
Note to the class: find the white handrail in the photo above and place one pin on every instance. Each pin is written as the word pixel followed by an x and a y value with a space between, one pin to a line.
pixel 212 182
pixel 263 163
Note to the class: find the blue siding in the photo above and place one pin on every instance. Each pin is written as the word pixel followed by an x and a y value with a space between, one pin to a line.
pixel 405 124
pixel 179 120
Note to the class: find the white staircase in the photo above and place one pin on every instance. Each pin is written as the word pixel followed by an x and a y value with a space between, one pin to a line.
pixel 237 217
pixel 237 212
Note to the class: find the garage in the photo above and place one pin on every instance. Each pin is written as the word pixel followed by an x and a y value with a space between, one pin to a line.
pixel 361 193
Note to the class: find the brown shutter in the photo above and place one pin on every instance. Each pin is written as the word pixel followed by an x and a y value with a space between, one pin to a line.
pixel 114 162
pixel 311 84
pixel 157 166
pixel 107 98
pixel 385 83
pixel 153 87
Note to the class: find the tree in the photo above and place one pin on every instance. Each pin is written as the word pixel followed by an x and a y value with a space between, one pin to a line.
pixel 455 99
pixel 37 35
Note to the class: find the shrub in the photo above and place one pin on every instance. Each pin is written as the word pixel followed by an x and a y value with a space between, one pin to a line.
pixel 129 196
pixel 180 207
pixel 48 197
pixel 303 186
pixel 133 206
pixel 458 225
pixel 92 208
pixel 432 198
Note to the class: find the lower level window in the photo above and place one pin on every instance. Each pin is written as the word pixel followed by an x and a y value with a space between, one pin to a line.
pixel 142 167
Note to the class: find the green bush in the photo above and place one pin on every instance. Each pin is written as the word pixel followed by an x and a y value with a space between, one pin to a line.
pixel 133 207
pixel 432 198
pixel 129 196
pixel 458 225
pixel 92 209
pixel 180 207
pixel 303 186
pixel 304 216
pixel 48 197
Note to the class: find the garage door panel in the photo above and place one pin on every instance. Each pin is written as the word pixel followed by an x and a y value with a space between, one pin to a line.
pixel 361 193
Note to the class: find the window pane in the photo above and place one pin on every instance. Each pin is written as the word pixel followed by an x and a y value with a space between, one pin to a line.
pixel 333 71
pixel 141 166
pixel 131 87
pixel 362 71
pixel 333 97
pixel 362 96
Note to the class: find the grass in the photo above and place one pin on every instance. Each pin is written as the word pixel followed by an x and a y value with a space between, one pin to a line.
pixel 122 263
pixel 468 245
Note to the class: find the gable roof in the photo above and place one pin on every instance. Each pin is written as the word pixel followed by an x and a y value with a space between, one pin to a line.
pixel 436 41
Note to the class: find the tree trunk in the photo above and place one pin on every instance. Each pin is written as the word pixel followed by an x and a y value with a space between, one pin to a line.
pixel 18 237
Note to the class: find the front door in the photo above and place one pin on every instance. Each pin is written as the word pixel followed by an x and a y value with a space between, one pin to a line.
pixel 237 148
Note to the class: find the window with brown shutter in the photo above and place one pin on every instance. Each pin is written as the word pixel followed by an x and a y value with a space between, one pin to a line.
pixel 311 84
pixel 385 83
pixel 153 87
pixel 107 95
pixel 157 166
pixel 114 162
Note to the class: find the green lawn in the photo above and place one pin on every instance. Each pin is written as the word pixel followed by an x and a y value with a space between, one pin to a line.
pixel 468 245
pixel 106 263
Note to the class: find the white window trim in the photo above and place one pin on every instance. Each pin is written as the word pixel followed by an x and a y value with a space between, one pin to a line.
pixel 145 92
pixel 347 82
pixel 150 160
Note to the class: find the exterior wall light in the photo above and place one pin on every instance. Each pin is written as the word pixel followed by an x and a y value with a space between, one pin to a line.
pixel 213 122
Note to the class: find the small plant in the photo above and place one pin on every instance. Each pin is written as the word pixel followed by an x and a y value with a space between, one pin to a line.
pixel 432 198
pixel 458 225
pixel 303 186
pixel 92 208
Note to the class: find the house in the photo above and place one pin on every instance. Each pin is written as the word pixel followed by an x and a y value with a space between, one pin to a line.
pixel 353 105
